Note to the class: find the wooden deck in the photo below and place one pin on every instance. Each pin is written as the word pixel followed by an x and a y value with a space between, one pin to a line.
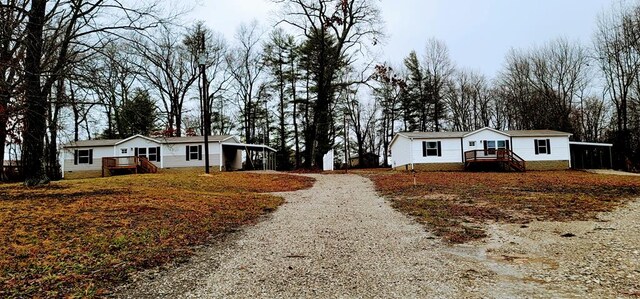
pixel 500 156
pixel 134 164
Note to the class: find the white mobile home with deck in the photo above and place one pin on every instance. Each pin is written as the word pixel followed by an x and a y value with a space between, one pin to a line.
pixel 448 151
pixel 225 153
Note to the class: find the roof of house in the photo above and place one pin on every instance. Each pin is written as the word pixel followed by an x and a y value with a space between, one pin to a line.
pixel 535 133
pixel 165 140
pixel 364 155
pixel 92 143
pixel 510 133
pixel 195 139
pixel 427 135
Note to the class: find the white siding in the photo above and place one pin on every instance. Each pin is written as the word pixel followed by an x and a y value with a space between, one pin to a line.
pixel 524 147
pixel 451 151
pixel 400 151
pixel 139 142
pixel 98 153
pixel 480 137
pixel 175 155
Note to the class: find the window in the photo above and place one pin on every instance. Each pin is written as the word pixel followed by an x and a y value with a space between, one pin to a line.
pixel 542 146
pixel 153 154
pixel 194 152
pixel 472 143
pixel 124 151
pixel 142 152
pixel 83 157
pixel 431 149
pixel 502 144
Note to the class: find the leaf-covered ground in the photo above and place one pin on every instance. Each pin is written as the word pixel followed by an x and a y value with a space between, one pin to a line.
pixel 456 205
pixel 78 238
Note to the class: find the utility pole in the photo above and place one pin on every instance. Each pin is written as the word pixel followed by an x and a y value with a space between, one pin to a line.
pixel 202 60
pixel 346 141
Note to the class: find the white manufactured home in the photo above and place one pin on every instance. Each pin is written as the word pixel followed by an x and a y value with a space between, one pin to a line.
pixel 225 153
pixel 449 151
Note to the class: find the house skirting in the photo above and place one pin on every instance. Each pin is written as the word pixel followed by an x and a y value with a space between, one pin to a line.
pixel 548 165
pixel 82 174
pixel 433 167
pixel 85 174
pixel 531 165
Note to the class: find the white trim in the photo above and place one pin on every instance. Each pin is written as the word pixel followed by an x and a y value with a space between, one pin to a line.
pixel 591 143
pixel 262 146
pixel 135 136
pixel 483 129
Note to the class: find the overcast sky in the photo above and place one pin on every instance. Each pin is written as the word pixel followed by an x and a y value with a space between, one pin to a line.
pixel 478 32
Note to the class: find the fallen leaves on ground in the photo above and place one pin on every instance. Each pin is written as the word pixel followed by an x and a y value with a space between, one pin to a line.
pixel 455 205
pixel 78 238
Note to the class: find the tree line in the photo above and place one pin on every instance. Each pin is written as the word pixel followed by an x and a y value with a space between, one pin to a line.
pixel 80 69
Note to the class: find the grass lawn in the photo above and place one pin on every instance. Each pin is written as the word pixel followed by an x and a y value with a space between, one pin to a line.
pixel 78 238
pixel 456 205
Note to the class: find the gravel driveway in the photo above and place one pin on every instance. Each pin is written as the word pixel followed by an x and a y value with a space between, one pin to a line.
pixel 337 239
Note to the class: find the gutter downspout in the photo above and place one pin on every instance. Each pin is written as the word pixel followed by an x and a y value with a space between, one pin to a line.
pixel 221 153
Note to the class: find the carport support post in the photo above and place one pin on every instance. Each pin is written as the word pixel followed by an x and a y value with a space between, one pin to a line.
pixel 610 159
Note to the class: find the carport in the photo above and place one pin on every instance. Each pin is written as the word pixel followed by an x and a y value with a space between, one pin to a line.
pixel 588 155
pixel 232 156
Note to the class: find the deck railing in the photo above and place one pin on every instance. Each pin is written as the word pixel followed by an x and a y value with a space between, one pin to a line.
pixel 495 155
pixel 124 162
pixel 147 166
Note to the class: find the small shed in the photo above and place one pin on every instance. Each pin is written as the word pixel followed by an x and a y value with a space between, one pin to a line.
pixel 369 160
pixel 588 155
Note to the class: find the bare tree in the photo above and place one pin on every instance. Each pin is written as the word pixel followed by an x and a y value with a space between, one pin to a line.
pixel 438 68
pixel 12 26
pixel 35 99
pixel 388 94
pixel 339 29
pixel 171 67
pixel 246 67
pixel 617 47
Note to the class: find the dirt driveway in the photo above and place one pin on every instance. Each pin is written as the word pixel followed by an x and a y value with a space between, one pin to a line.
pixel 340 239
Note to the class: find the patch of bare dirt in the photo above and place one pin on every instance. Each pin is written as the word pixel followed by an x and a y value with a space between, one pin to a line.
pixel 578 259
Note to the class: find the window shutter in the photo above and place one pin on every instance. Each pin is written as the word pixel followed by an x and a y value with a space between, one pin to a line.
pixel 91 156
pixel 424 148
pixel 158 154
pixel 506 142
pixel 187 151
pixel 75 157
pixel 439 149
pixel 135 151
pixel 200 152
pixel 535 145
pixel 485 147
pixel 548 147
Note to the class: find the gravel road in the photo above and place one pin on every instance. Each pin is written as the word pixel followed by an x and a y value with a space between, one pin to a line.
pixel 337 239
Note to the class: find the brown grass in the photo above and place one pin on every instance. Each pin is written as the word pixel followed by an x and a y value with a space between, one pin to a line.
pixel 79 238
pixel 455 205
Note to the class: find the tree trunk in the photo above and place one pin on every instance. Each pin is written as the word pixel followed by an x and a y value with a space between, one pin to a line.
pixel 53 170
pixel 4 99
pixel 35 100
